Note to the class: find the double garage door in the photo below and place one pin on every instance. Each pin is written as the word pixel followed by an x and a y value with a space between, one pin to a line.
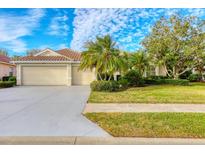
pixel 54 75
pixel 44 75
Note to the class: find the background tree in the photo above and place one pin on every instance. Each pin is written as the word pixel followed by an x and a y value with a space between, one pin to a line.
pixel 32 52
pixel 199 46
pixel 174 43
pixel 139 61
pixel 15 57
pixel 4 52
pixel 103 55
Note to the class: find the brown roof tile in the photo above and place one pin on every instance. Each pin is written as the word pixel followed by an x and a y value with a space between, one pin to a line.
pixel 70 54
pixel 42 58
pixel 4 59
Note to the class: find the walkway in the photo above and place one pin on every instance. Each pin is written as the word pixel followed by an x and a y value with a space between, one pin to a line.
pixel 144 108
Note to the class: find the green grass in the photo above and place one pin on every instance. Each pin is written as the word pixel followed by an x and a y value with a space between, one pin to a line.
pixel 192 94
pixel 184 125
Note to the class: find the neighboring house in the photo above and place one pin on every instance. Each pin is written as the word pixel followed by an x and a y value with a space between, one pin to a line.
pixel 6 68
pixel 155 71
pixel 50 67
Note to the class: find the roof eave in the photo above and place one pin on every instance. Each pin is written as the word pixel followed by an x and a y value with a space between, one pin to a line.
pixel 1 62
pixel 45 62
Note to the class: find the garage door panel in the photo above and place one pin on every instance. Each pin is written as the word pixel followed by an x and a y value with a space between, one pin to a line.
pixel 81 77
pixel 46 75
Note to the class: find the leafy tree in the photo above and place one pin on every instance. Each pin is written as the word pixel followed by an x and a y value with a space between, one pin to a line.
pixel 103 56
pixel 4 52
pixel 139 61
pixel 32 52
pixel 174 43
pixel 199 46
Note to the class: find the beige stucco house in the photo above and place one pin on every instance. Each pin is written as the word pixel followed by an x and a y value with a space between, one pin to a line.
pixel 6 68
pixel 51 67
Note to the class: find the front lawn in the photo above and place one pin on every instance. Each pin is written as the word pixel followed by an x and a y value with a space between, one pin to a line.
pixel 192 94
pixel 182 125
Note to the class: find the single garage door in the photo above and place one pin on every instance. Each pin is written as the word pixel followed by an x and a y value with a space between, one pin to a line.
pixel 44 75
pixel 81 77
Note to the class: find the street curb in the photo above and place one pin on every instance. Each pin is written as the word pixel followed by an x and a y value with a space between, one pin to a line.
pixel 59 140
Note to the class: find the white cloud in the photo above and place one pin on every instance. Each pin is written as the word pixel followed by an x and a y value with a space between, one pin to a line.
pixel 16 45
pixel 197 12
pixel 62 46
pixel 53 46
pixel 13 27
pixel 59 25
pixel 122 24
pixel 126 26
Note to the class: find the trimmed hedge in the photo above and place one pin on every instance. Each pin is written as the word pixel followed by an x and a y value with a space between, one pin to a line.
pixel 109 85
pixel 6 84
pixel 167 81
pixel 158 77
pixel 104 85
pixel 5 78
pixel 12 78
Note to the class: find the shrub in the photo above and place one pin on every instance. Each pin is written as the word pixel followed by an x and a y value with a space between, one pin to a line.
pixel 123 83
pixel 194 77
pixel 134 78
pixel 5 78
pixel 12 78
pixel 6 84
pixel 167 81
pixel 105 86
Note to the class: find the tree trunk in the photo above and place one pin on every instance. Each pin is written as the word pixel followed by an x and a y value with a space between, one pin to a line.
pixel 175 73
pixel 201 74
pixel 105 78
pixel 176 76
pixel 109 77
pixel 100 76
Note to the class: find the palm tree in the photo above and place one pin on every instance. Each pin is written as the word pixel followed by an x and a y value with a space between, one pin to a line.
pixel 139 61
pixel 103 56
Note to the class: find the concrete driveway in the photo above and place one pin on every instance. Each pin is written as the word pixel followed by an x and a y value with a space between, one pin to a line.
pixel 45 111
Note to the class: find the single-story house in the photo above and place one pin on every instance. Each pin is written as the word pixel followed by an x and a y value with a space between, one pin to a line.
pixel 50 67
pixel 6 68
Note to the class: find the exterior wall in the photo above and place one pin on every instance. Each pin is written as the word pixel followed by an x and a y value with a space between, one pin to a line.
pixel 160 71
pixel 18 74
pixel 82 77
pixel 5 69
pixel 49 53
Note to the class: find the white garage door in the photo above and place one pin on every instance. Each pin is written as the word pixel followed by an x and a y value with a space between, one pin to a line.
pixel 81 77
pixel 44 75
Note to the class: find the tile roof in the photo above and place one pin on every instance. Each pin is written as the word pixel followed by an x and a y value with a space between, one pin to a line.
pixel 42 58
pixel 4 59
pixel 67 55
pixel 70 54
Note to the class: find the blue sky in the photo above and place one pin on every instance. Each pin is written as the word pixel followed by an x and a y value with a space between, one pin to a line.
pixel 24 29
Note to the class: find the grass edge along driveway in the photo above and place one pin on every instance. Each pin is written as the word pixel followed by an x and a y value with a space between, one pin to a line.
pixel 165 94
pixel 173 125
